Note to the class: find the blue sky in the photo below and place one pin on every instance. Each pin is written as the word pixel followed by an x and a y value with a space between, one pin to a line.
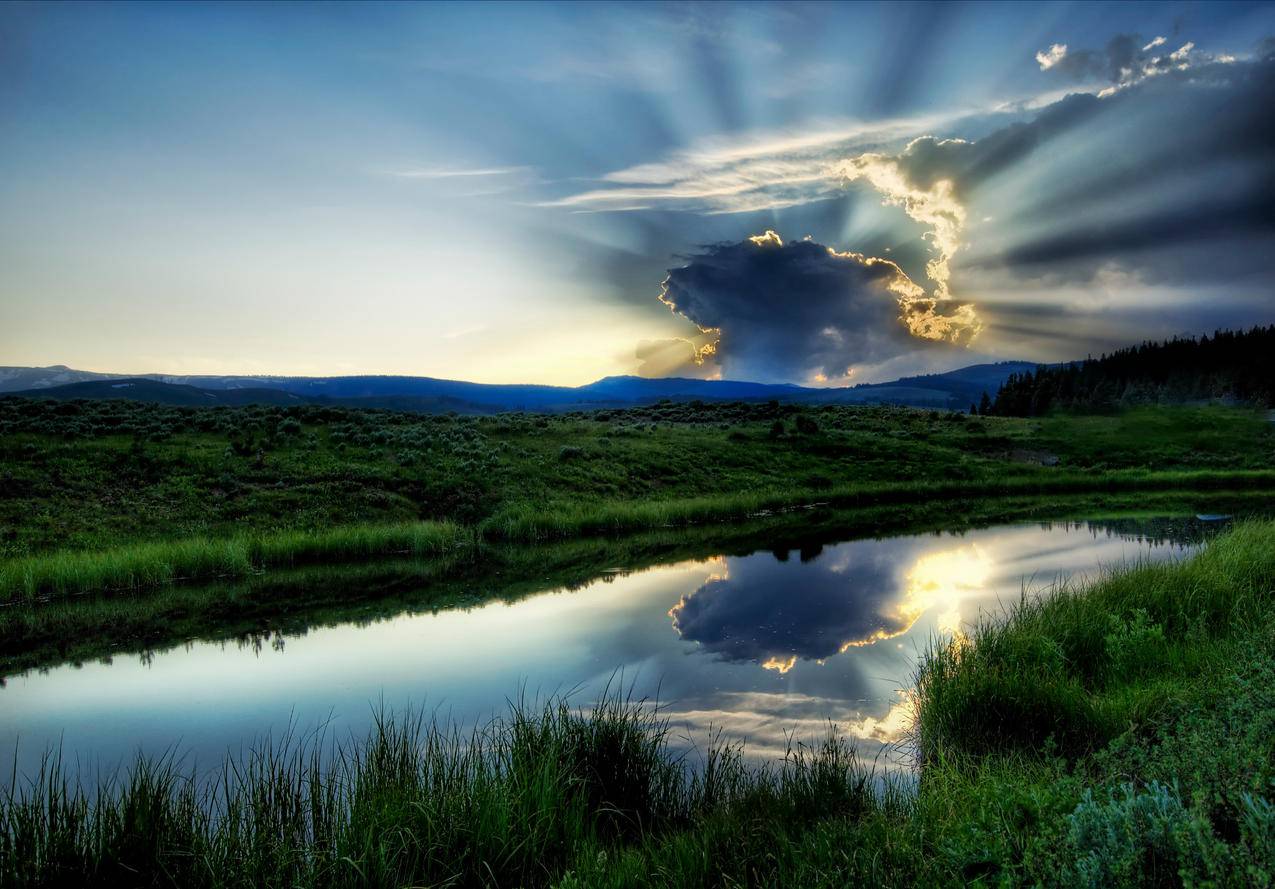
pixel 499 192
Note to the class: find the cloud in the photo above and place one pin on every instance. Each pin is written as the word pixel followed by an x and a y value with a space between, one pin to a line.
pixel 454 172
pixel 742 617
pixel 802 311
pixel 1052 56
pixel 1154 155
pixel 767 171
pixel 932 203
pixel 1124 61
pixel 678 357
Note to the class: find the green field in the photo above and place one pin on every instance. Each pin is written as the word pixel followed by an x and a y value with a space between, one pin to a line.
pixel 120 495
pixel 1120 734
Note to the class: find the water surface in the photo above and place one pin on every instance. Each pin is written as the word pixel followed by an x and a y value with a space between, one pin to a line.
pixel 767 647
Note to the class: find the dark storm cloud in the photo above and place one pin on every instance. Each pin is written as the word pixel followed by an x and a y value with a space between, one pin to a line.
pixel 791 311
pixel 767 612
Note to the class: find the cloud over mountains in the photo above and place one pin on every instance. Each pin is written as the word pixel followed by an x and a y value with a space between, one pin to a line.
pixel 771 310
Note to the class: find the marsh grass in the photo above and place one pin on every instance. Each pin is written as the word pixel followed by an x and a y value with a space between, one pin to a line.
pixel 61 573
pixel 529 523
pixel 1075 668
pixel 514 803
pixel 140 565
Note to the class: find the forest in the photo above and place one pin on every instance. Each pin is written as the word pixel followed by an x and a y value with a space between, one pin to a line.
pixel 1230 366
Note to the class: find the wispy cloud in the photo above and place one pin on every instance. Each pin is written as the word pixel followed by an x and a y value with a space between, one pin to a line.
pixel 761 171
pixel 454 172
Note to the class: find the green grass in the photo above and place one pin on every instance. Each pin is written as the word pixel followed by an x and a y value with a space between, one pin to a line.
pixel 140 565
pixel 118 495
pixel 513 804
pixel 1076 668
pixel 59 573
pixel 98 476
pixel 1117 734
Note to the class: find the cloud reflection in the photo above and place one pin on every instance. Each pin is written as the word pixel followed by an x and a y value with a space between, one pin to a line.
pixel 762 609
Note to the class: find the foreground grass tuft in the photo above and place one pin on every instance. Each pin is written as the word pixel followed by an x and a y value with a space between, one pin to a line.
pixel 1076 668
pixel 513 804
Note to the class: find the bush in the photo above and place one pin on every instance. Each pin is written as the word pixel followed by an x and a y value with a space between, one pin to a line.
pixel 806 426
pixel 570 452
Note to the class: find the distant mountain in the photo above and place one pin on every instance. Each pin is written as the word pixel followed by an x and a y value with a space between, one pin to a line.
pixel 953 390
pixel 15 379
pixel 143 389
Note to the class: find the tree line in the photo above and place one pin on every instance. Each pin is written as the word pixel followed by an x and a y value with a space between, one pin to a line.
pixel 1234 366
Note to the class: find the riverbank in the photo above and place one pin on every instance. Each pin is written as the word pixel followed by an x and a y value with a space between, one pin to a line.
pixel 1115 734
pixel 454 569
pixel 61 573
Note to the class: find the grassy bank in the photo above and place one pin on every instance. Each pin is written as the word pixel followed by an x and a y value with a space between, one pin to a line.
pixel 1120 734
pixel 135 566
pixel 140 565
pixel 291 600
pixel 118 495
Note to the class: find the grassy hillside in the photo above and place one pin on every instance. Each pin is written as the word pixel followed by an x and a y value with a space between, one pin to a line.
pixel 1120 734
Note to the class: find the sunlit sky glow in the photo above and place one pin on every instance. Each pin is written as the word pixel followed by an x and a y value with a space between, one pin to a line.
pixel 503 193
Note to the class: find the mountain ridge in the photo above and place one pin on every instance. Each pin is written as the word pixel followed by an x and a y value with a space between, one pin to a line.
pixel 951 390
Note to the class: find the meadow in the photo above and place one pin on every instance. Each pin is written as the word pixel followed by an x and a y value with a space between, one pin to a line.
pixel 118 495
pixel 1120 733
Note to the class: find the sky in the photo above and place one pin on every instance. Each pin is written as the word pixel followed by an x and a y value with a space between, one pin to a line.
pixel 552 193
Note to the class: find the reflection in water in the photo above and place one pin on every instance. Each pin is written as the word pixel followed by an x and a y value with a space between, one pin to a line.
pixel 766 647
pixel 847 597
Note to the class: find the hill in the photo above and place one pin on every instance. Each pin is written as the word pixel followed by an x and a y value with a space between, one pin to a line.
pixel 142 389
pixel 954 390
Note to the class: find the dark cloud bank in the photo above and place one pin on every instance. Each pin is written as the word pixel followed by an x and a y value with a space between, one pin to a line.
pixel 1170 175
pixel 791 311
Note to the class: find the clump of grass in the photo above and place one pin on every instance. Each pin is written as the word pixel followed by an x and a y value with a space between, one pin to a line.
pixel 67 573
pixel 1075 668
pixel 515 803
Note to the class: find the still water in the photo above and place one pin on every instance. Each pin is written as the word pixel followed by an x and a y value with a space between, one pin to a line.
pixel 765 647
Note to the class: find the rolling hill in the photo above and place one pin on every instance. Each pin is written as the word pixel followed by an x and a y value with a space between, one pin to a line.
pixel 953 390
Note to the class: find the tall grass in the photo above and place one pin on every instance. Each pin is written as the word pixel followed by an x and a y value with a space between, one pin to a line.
pixel 1074 669
pixel 515 803
pixel 135 566
pixel 530 523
